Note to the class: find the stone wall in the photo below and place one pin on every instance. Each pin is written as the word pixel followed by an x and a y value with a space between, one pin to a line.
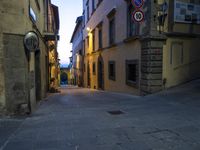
pixel 2 91
pixel 151 70
pixel 16 72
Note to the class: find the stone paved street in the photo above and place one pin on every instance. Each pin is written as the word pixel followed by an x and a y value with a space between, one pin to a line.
pixel 79 119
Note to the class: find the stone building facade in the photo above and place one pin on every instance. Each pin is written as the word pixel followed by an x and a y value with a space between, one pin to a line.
pixel 77 53
pixel 20 88
pixel 139 58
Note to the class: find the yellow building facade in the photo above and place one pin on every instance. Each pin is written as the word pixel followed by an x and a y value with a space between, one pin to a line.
pixel 53 37
pixel 77 53
pixel 181 55
pixel 138 58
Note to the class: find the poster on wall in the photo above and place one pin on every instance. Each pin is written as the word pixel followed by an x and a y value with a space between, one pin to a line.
pixel 186 12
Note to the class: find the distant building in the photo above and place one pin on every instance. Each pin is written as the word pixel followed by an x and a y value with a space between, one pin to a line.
pixel 20 87
pixel 52 37
pixel 65 75
pixel 140 58
pixel 77 53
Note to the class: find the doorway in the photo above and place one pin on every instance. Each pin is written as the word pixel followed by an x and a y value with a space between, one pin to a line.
pixel 37 76
pixel 88 74
pixel 100 73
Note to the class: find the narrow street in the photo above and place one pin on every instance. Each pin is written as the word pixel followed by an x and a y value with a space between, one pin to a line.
pixel 82 119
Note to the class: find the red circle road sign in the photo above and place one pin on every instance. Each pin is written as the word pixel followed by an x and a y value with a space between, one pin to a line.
pixel 138 16
pixel 138 3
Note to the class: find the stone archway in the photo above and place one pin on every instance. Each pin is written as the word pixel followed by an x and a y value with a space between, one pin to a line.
pixel 100 73
pixel 64 78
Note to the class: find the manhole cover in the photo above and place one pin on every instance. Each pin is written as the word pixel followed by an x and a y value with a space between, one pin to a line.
pixel 115 112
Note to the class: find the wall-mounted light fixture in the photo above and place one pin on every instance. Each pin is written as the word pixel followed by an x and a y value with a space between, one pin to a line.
pixel 88 29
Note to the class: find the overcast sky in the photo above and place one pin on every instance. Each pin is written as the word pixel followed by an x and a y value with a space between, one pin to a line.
pixel 69 10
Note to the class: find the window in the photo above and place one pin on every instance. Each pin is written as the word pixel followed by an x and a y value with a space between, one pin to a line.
pixel 38 4
pixel 88 43
pixel 132 72
pixel 93 7
pixel 99 2
pixel 87 6
pixel 83 47
pixel 93 40
pixel 132 28
pixel 94 68
pixel 111 70
pixel 32 15
pixel 80 52
pixel 112 31
pixel 111 17
pixel 177 54
pixel 84 18
pixel 100 36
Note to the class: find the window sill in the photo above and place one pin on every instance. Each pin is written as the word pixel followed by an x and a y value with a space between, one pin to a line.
pixel 112 78
pixel 132 83
pixel 179 34
pixel 112 45
pixel 93 12
pixel 132 38
pixel 99 3
pixel 100 49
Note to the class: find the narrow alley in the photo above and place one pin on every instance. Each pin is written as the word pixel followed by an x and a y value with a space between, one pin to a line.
pixel 83 119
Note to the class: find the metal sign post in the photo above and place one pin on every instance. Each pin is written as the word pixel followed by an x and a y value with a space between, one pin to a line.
pixel 138 14
pixel 31 42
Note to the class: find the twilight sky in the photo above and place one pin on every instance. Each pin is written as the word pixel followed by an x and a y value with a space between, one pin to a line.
pixel 69 10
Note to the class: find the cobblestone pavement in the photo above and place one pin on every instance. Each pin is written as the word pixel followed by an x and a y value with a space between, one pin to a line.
pixel 83 119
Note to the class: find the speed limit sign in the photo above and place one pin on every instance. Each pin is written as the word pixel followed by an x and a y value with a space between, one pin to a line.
pixel 138 16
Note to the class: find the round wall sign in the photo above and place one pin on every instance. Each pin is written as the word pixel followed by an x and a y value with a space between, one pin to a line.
pixel 138 16
pixel 137 3
pixel 31 41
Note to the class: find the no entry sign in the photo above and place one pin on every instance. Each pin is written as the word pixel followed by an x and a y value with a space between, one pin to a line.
pixel 137 3
pixel 138 16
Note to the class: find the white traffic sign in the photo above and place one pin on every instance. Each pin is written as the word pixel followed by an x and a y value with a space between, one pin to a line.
pixel 138 16
pixel 137 3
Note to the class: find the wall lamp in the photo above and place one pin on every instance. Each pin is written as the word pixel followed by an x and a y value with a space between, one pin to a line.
pixel 88 29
